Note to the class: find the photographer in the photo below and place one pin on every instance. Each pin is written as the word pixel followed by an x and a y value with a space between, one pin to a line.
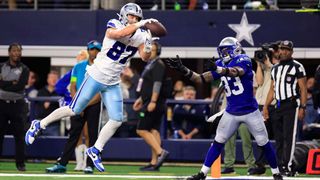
pixel 265 58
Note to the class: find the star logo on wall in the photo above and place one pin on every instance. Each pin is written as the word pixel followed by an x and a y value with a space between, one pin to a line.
pixel 244 30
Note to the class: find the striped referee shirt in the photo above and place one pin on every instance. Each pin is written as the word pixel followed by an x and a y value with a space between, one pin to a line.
pixel 285 76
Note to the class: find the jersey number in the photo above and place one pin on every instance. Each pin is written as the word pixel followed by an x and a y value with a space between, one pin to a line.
pixel 238 87
pixel 117 49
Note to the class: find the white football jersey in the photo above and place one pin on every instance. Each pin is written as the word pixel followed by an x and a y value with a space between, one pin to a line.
pixel 115 54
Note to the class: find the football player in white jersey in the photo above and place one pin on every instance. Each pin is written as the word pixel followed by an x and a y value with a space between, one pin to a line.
pixel 123 38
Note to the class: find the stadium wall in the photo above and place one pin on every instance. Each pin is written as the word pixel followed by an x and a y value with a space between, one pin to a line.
pixel 123 149
pixel 60 34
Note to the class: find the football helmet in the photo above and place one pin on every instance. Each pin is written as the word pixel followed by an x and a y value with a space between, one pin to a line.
pixel 229 48
pixel 130 8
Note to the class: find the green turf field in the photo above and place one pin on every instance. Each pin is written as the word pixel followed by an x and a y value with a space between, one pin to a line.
pixel 36 171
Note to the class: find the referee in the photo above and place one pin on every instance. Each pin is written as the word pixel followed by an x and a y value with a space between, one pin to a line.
pixel 288 87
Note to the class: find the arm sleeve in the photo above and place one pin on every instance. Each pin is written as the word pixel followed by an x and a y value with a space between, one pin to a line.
pixel 73 78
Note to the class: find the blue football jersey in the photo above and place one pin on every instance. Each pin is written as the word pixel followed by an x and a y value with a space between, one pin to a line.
pixel 239 90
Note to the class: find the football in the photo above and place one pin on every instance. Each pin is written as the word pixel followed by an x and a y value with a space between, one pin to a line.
pixel 156 29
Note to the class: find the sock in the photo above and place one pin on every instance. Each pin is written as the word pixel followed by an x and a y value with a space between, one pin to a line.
pixel 212 154
pixel 106 133
pixel 271 157
pixel 57 114
pixel 205 169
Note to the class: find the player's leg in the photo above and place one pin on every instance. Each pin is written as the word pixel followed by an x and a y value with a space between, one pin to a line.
pixel 226 128
pixel 88 89
pixel 229 154
pixel 256 126
pixel 112 99
pixel 247 146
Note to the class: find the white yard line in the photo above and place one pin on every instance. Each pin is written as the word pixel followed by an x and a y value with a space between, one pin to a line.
pixel 143 176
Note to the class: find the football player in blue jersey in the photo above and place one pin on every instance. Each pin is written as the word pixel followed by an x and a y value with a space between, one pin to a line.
pixel 235 71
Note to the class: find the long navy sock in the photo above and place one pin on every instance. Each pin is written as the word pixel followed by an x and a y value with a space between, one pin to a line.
pixel 213 153
pixel 270 155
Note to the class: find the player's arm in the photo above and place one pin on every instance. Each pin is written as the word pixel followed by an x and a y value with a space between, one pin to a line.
pixel 113 33
pixel 193 76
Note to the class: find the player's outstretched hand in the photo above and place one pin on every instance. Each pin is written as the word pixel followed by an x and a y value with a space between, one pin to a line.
pixel 212 66
pixel 176 64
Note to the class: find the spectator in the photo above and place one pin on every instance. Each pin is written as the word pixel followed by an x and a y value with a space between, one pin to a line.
pixel 82 55
pixel 178 90
pixel 13 79
pixel 30 89
pixel 188 120
pixel 291 104
pixel 151 105
pixel 130 80
pixel 90 115
pixel 44 108
pixel 308 131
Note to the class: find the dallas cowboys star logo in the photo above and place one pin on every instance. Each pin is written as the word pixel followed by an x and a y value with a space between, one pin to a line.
pixel 244 30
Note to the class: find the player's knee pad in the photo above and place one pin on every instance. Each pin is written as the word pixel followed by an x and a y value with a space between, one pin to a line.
pixel 262 140
pixel 220 139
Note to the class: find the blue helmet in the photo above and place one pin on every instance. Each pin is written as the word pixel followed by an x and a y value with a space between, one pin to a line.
pixel 229 48
pixel 94 45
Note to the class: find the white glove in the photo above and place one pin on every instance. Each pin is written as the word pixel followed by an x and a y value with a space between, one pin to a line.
pixel 148 42
pixel 144 21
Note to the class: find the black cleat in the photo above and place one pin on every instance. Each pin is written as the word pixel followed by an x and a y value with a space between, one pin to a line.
pixel 199 176
pixel 228 170
pixel 164 155
pixel 277 176
pixel 256 171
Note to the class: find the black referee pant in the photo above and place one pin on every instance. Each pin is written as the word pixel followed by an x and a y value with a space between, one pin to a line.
pixel 14 111
pixel 285 120
pixel 91 115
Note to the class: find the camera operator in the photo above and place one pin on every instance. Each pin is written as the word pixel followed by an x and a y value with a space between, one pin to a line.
pixel 265 58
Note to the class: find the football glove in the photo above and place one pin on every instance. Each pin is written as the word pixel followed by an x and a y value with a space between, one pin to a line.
pixel 143 22
pixel 211 65
pixel 177 64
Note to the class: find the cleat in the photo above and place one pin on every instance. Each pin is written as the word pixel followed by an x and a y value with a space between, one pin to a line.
pixel 164 154
pixel 277 176
pixel 95 156
pixel 57 168
pixel 149 167
pixel 32 132
pixel 88 170
pixel 256 171
pixel 199 176
pixel 228 170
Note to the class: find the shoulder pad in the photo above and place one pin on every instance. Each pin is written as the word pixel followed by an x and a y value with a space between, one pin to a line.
pixel 243 57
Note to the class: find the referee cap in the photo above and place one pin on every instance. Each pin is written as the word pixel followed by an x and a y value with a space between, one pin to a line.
pixel 286 44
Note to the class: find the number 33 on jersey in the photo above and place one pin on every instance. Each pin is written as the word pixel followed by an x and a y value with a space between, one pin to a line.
pixel 239 90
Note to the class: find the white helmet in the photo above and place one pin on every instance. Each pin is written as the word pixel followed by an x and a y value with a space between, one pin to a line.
pixel 229 48
pixel 130 8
